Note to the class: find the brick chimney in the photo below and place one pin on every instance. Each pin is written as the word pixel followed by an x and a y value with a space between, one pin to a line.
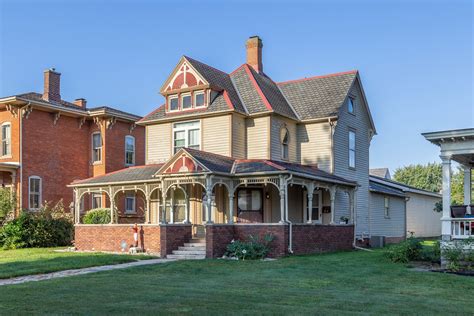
pixel 81 102
pixel 52 89
pixel 254 53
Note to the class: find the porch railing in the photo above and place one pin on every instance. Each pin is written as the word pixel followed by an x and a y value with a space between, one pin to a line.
pixel 462 228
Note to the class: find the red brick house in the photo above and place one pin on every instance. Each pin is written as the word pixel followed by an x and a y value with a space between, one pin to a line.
pixel 231 154
pixel 48 142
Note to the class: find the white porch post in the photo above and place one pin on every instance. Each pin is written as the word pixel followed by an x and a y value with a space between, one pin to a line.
pixel 172 207
pixel 163 208
pixel 209 206
pixel 77 207
pixel 309 215
pixel 112 206
pixel 231 208
pixel 332 195
pixel 186 207
pixel 446 218
pixel 467 188
pixel 282 199
pixel 147 213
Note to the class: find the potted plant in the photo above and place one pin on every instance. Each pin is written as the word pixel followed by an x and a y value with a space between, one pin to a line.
pixel 344 220
pixel 458 211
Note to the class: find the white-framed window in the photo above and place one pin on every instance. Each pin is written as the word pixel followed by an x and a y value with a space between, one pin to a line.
pixel 249 200
pixel 199 99
pixel 186 134
pixel 96 200
pixel 285 140
pixel 130 203
pixel 6 139
pixel 96 147
pixel 34 192
pixel 352 149
pixel 129 150
pixel 173 102
pixel 386 206
pixel 186 101
pixel 350 105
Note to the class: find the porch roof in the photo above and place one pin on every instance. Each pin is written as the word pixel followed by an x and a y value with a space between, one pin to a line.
pixel 214 164
pixel 385 189
pixel 457 144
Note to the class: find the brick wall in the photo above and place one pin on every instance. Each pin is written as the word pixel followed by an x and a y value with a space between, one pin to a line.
pixel 322 238
pixel 174 236
pixel 109 237
pixel 217 239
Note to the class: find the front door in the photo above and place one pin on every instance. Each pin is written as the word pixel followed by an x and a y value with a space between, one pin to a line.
pixel 316 216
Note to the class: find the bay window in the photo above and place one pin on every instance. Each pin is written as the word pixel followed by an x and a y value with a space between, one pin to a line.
pixel 186 135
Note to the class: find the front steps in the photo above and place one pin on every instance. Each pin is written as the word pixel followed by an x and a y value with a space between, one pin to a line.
pixel 193 250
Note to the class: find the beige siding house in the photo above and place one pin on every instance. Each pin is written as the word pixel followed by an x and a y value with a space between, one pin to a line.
pixel 292 155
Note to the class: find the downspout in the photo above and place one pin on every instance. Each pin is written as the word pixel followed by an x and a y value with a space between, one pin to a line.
pixel 290 226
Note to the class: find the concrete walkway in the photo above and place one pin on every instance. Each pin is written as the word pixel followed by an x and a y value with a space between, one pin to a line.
pixel 67 273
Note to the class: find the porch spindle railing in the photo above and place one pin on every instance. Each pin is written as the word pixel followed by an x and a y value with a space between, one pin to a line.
pixel 462 228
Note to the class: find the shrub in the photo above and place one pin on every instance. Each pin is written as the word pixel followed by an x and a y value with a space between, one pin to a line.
pixel 97 216
pixel 432 254
pixel 459 255
pixel 7 203
pixel 405 251
pixel 48 227
pixel 252 249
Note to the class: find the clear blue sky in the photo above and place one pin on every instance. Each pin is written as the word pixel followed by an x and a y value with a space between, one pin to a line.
pixel 415 57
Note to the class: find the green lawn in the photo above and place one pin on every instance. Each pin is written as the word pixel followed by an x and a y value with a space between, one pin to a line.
pixel 339 283
pixel 41 260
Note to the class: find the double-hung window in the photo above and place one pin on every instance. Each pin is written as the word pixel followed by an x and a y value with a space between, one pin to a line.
pixel 186 102
pixel 96 147
pixel 130 203
pixel 6 139
pixel 129 150
pixel 285 139
pixel 199 99
pixel 352 149
pixel 96 200
pixel 34 192
pixel 186 135
pixel 249 200
pixel 173 103
pixel 386 206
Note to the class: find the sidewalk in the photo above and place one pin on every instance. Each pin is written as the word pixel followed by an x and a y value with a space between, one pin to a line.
pixel 68 273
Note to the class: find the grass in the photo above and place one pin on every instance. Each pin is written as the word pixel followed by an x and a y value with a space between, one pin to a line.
pixel 42 260
pixel 344 283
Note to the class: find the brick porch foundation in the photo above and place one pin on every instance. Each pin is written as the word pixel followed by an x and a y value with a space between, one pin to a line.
pixel 306 238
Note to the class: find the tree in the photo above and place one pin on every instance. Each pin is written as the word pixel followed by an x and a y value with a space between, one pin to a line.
pixel 429 177
pixel 7 203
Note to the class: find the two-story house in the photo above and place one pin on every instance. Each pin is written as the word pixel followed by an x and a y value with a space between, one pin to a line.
pixel 233 154
pixel 48 142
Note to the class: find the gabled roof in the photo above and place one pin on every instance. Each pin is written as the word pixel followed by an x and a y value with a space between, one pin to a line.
pixel 318 97
pixel 131 174
pixel 380 172
pixel 385 189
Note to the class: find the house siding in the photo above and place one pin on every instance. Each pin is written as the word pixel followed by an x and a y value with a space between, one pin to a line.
pixel 216 132
pixel 158 143
pixel 360 123
pixel 277 122
pixel 239 137
pixel 394 225
pixel 421 219
pixel 314 142
pixel 258 146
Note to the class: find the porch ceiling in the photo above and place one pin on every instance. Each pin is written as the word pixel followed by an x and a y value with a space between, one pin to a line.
pixel 457 144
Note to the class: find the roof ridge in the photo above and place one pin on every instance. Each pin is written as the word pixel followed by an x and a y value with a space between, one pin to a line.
pixel 237 69
pixel 208 152
pixel 319 77
pixel 190 58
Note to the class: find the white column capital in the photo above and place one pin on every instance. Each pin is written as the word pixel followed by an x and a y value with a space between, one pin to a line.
pixel 445 159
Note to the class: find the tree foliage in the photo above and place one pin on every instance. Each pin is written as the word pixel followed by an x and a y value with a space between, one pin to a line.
pixel 7 203
pixel 429 177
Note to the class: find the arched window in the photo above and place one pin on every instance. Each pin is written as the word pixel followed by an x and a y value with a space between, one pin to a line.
pixel 6 139
pixel 129 150
pixel 285 140
pixel 34 192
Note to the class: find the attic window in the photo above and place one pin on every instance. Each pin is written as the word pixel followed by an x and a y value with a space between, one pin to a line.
pixel 350 105
pixel 199 99
pixel 186 101
pixel 173 103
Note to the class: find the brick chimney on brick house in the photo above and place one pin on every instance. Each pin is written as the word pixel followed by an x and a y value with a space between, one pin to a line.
pixel 52 89
pixel 81 102
pixel 254 53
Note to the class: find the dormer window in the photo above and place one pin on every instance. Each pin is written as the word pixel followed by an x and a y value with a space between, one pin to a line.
pixel 199 99
pixel 186 102
pixel 173 103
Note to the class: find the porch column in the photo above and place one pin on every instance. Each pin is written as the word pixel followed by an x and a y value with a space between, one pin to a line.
pixel 282 199
pixel 309 214
pixel 231 208
pixel 332 196
pixel 172 207
pixel 209 206
pixel 112 206
pixel 467 188
pixel 446 218
pixel 186 208
pixel 163 208
pixel 147 213
pixel 351 205
pixel 77 207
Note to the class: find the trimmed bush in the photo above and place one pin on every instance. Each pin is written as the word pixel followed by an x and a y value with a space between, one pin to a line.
pixel 97 216
pixel 48 227
pixel 408 250
pixel 252 249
